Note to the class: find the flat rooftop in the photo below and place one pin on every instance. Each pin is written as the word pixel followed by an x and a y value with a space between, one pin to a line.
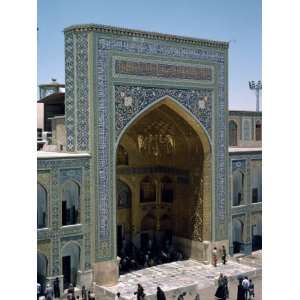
pixel 243 149
pixel 146 34
pixel 48 154
pixel 245 113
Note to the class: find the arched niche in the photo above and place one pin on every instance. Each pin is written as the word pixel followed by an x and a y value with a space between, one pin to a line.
pixel 233 132
pixel 237 235
pixel 238 179
pixel 42 207
pixel 42 269
pixel 70 263
pixel 70 203
pixel 167 190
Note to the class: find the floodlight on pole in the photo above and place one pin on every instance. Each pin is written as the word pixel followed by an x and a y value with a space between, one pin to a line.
pixel 257 86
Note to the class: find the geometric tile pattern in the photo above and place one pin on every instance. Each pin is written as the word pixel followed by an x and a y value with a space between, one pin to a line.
pixel 143 96
pixel 60 171
pixel 106 132
pixel 106 137
pixel 82 106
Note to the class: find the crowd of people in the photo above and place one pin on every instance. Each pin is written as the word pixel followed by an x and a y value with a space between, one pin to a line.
pixel 245 289
pixel 52 293
pixel 160 294
pixel 131 258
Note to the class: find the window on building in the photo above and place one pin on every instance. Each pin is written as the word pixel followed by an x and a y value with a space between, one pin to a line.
pixel 122 156
pixel 232 133
pixel 70 203
pixel 255 195
pixel 123 195
pixel 166 190
pixel 238 188
pixel 41 206
pixel 256 182
pixel 247 129
pixel 258 131
pixel 147 190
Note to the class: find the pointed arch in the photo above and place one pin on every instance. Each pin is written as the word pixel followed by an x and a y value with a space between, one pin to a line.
pixel 42 269
pixel 237 234
pixel 71 203
pixel 167 189
pixel 233 132
pixel 71 262
pixel 181 110
pixel 124 195
pixel 147 190
pixel 42 206
pixel 258 130
pixel 238 185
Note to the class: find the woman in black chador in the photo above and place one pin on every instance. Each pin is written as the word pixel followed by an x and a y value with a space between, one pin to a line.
pixel 160 295
pixel 221 290
pixel 220 293
pixel 56 288
pixel 140 295
pixel 240 291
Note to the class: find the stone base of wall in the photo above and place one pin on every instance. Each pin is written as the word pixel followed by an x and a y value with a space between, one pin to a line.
pixel 106 272
pixel 85 278
pixel 201 251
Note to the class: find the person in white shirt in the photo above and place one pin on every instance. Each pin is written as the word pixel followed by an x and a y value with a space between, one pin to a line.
pixel 246 284
pixel 215 256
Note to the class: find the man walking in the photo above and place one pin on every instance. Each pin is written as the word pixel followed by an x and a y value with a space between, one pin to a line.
pixel 215 256
pixel 246 284
pixel 251 289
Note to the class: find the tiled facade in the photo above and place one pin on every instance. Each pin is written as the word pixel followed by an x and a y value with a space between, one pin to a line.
pixel 248 212
pixel 113 76
pixel 52 175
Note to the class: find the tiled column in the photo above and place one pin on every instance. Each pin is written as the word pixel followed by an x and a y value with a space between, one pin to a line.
pixel 207 197
pixel 135 211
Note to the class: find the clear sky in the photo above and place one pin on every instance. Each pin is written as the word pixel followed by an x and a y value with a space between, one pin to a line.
pixel 236 21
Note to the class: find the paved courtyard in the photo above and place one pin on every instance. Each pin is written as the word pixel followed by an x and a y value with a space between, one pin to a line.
pixel 189 275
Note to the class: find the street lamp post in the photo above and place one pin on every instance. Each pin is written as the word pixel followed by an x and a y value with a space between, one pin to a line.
pixel 257 87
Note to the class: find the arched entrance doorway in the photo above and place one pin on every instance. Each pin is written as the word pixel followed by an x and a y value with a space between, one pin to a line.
pixel 42 269
pixel 237 235
pixel 167 170
pixel 256 232
pixel 70 263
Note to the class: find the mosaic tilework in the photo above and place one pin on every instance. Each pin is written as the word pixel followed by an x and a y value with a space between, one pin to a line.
pixel 70 174
pixel 239 164
pixel 163 70
pixel 69 91
pixel 143 96
pixel 154 170
pixel 242 162
pixel 104 181
pixel 82 105
pixel 76 94
pixel 61 170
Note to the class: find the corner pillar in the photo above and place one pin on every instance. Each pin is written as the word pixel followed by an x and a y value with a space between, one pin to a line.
pixel 207 198
pixel 106 272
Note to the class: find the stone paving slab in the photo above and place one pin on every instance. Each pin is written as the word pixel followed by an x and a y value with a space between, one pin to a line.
pixel 188 275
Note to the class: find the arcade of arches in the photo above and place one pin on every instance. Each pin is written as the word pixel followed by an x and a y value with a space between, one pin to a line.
pixel 163 182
